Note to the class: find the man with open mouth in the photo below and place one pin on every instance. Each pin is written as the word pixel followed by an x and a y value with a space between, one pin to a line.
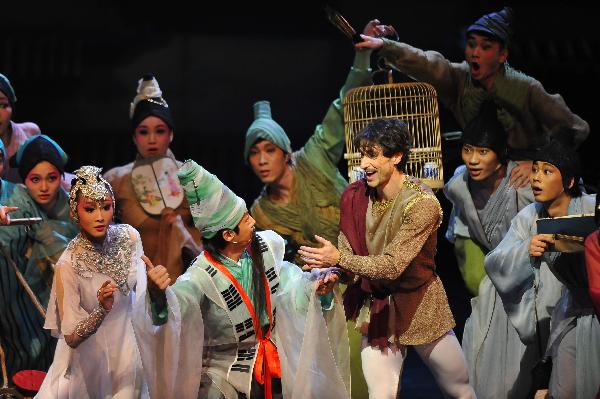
pixel 519 267
pixel 483 200
pixel 529 114
pixel 386 249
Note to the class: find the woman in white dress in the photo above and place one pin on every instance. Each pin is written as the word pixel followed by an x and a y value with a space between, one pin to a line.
pixel 91 301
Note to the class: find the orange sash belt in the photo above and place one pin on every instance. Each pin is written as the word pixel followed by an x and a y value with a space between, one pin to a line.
pixel 266 365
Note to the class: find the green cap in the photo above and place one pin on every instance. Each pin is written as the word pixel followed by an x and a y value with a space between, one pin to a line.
pixel 264 127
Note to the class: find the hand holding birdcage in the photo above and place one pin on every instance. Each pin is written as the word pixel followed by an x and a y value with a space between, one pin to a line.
pixel 373 29
pixel 372 34
pixel 376 29
pixel 415 103
pixel 369 43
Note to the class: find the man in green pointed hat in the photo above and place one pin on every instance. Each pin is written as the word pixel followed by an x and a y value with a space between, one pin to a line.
pixel 302 189
pixel 213 334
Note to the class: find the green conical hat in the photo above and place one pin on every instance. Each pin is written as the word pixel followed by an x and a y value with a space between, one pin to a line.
pixel 213 205
pixel 264 127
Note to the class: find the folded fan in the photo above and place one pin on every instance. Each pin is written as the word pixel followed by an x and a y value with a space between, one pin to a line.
pixel 340 22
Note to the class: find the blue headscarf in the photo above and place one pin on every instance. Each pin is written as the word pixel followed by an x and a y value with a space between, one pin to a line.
pixel 35 150
pixel 497 25
pixel 7 89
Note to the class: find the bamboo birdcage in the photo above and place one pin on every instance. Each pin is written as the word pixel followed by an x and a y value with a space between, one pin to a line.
pixel 416 104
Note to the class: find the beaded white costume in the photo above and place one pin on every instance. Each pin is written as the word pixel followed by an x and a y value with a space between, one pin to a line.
pixel 106 363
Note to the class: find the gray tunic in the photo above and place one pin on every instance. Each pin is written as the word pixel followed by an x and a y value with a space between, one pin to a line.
pixel 499 363
pixel 527 285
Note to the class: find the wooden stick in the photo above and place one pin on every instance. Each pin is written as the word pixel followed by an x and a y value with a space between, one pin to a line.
pixel 26 286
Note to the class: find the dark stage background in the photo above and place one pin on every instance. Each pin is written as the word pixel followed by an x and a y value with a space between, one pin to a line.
pixel 75 66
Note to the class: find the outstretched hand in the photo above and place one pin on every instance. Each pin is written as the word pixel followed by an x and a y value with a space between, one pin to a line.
pixel 4 213
pixel 106 294
pixel 372 34
pixel 327 281
pixel 326 256
pixel 374 28
pixel 369 42
pixel 158 277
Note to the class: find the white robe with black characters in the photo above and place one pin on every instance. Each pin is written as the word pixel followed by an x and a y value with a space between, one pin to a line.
pixel 207 347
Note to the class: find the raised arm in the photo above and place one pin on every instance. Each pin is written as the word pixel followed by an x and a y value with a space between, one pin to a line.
pixel 158 280
pixel 326 146
pixel 555 116
pixel 427 66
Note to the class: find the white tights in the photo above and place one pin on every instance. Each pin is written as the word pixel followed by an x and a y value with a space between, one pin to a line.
pixel 444 357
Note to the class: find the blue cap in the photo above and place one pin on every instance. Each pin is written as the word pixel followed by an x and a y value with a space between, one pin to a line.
pixel 497 25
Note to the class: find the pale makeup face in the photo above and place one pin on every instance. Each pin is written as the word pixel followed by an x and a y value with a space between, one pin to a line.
pixel 5 114
pixel 378 168
pixel 485 57
pixel 94 217
pixel 481 162
pixel 546 182
pixel 268 161
pixel 43 183
pixel 245 229
pixel 152 137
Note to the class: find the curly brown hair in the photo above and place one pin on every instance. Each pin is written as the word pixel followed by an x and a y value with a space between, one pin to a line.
pixel 391 135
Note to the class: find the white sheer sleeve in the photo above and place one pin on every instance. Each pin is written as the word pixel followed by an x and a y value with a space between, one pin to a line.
pixel 172 352
pixel 312 343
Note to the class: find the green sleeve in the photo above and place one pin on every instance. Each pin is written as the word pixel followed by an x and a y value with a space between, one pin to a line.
pixel 158 308
pixel 325 147
pixel 187 293
pixel 326 301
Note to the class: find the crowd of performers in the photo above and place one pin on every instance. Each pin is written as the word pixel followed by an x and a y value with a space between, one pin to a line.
pixel 173 288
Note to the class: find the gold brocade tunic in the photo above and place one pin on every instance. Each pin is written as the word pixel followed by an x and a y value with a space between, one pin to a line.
pixel 399 237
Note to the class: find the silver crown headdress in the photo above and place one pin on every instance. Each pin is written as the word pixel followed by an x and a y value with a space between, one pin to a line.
pixel 90 183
